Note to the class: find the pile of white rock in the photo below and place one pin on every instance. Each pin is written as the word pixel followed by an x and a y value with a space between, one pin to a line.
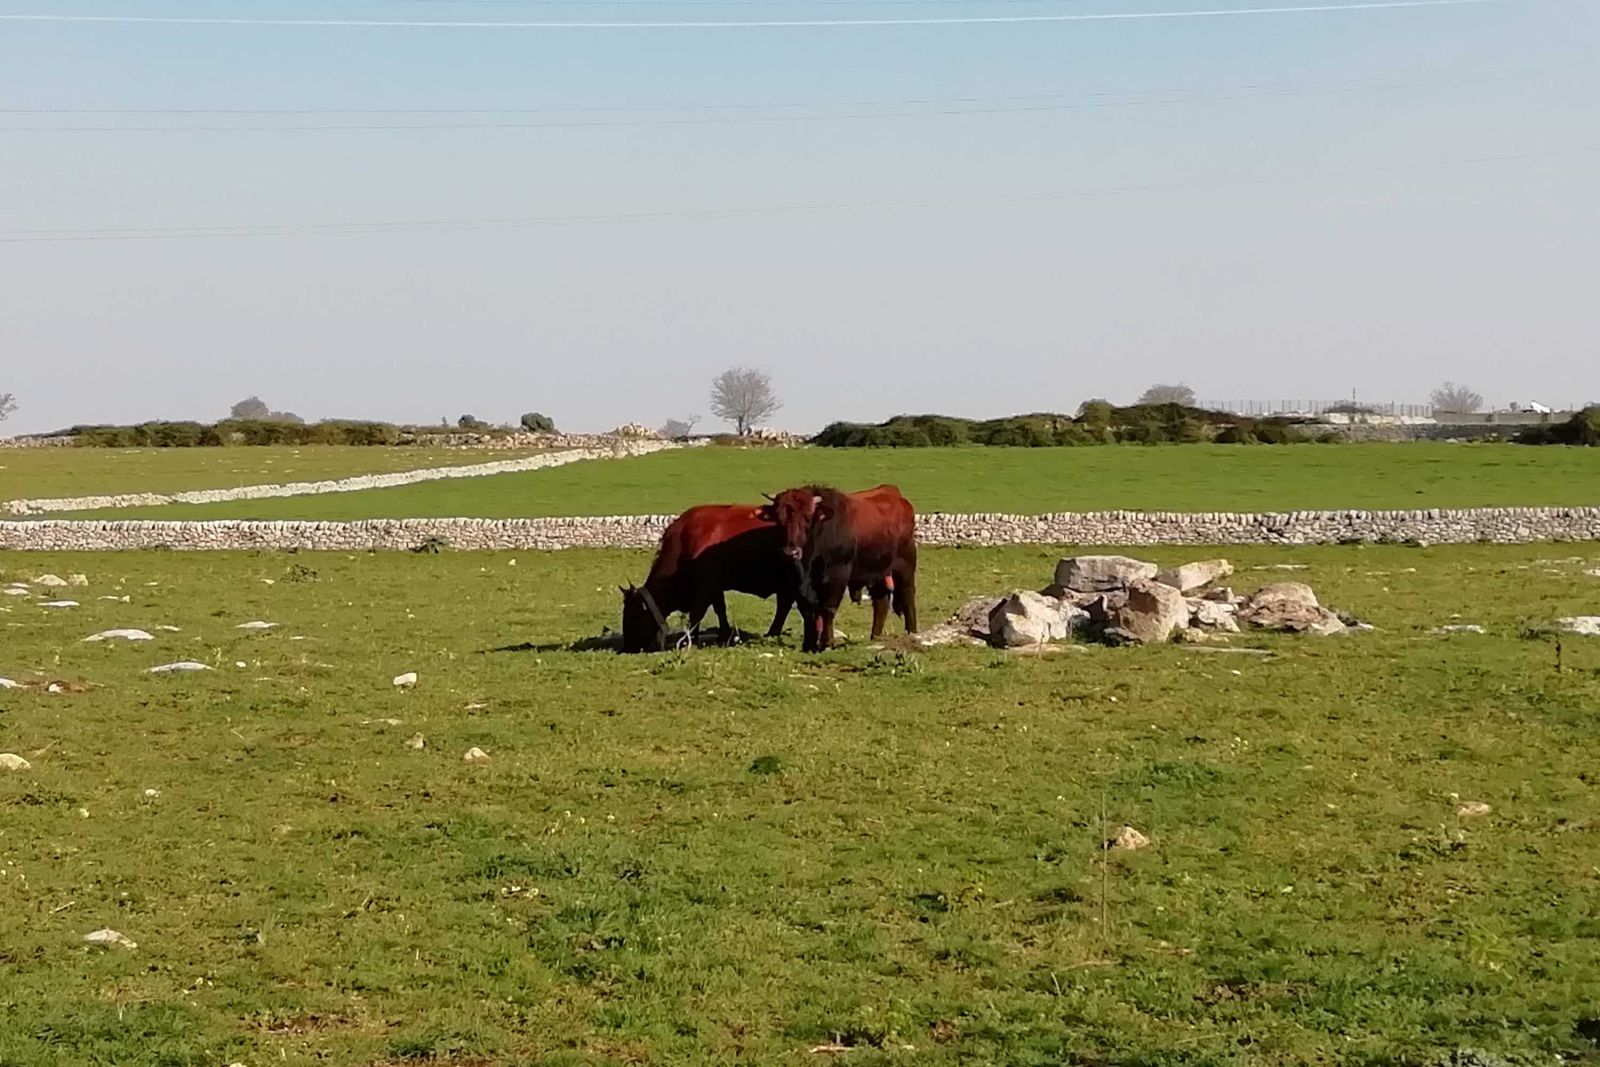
pixel 1119 601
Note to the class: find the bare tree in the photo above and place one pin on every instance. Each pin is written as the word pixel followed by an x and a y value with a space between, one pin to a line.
pixel 8 404
pixel 1453 399
pixel 743 396
pixel 1168 394
pixel 674 429
pixel 251 407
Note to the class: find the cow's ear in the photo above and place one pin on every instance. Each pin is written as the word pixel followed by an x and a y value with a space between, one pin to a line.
pixel 816 501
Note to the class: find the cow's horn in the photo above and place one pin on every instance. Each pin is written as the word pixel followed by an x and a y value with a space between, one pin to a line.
pixel 770 497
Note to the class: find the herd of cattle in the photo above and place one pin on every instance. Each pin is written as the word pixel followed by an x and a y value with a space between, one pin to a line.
pixel 807 546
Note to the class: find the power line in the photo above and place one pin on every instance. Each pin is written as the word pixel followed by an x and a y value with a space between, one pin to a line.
pixel 995 106
pixel 720 24
pixel 1344 84
pixel 518 222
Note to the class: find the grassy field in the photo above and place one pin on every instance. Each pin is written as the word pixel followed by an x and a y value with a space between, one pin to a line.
pixel 1175 478
pixel 741 855
pixel 29 473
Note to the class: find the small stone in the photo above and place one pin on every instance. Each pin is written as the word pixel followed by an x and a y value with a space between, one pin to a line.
pixel 475 755
pixel 417 742
pixel 1580 625
pixel 109 939
pixel 151 794
pixel 256 624
pixel 120 635
pixel 170 629
pixel 1458 628
pixel 17 590
pixel 59 604
pixel 78 579
pixel 10 761
pixel 183 665
pixel 1025 619
pixel 51 581
pixel 1472 808
pixel 7 683
pixel 406 681
pixel 1130 839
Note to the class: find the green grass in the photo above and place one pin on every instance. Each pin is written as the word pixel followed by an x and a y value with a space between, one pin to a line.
pixel 30 473
pixel 734 856
pixel 1174 478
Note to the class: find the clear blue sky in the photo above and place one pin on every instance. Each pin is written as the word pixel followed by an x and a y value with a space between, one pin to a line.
pixel 1316 225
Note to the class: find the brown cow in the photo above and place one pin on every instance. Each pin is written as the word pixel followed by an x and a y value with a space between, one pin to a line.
pixel 844 542
pixel 706 551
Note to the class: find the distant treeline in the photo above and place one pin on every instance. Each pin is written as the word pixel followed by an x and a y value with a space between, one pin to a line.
pixel 1583 428
pixel 1097 423
pixel 239 432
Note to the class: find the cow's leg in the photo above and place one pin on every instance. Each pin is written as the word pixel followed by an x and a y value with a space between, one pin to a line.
pixel 724 629
pixel 880 610
pixel 905 597
pixel 785 603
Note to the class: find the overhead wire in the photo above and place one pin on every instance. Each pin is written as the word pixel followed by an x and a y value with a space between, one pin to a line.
pixel 942 108
pixel 730 24
pixel 681 215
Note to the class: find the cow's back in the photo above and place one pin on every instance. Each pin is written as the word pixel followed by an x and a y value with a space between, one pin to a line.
pixel 723 546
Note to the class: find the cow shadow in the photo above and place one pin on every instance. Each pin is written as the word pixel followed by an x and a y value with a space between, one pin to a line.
pixel 611 641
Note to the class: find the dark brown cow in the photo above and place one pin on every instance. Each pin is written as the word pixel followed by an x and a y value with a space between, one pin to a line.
pixel 707 551
pixel 845 542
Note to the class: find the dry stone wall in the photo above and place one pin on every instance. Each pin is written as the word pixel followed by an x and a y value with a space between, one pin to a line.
pixel 1490 525
pixel 614 449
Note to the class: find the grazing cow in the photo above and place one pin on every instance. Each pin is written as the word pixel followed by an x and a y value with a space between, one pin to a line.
pixel 846 542
pixel 706 551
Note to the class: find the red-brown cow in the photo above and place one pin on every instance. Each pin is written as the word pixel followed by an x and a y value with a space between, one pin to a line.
pixel 706 551
pixel 844 542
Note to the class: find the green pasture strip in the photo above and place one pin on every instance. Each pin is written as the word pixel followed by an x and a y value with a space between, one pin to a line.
pixel 33 473
pixel 741 855
pixel 1027 481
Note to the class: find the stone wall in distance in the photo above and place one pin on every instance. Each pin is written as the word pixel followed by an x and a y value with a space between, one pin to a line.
pixel 1438 526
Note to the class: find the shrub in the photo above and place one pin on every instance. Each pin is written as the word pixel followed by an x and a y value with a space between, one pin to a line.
pixel 534 422
pixel 1583 428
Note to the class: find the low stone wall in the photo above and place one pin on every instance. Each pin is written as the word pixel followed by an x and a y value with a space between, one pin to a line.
pixel 1492 525
pixel 1361 433
pixel 615 449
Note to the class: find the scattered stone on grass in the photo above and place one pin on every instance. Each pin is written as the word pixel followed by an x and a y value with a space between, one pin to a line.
pixel 1290 607
pixel 1099 574
pixel 1194 576
pixel 1130 839
pixel 475 755
pixel 1025 618
pixel 170 629
pixel 10 761
pixel 1151 614
pixel 109 939
pixel 418 742
pixel 59 604
pixel 51 581
pixel 1458 628
pixel 1580 625
pixel 1213 615
pixel 119 635
pixel 182 665
pixel 78 579
pixel 16 590
pixel 118 599
pixel 256 624
pixel 7 683
pixel 406 681
pixel 1471 808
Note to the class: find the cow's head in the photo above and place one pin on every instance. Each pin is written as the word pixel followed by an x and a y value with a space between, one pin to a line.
pixel 644 629
pixel 796 511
